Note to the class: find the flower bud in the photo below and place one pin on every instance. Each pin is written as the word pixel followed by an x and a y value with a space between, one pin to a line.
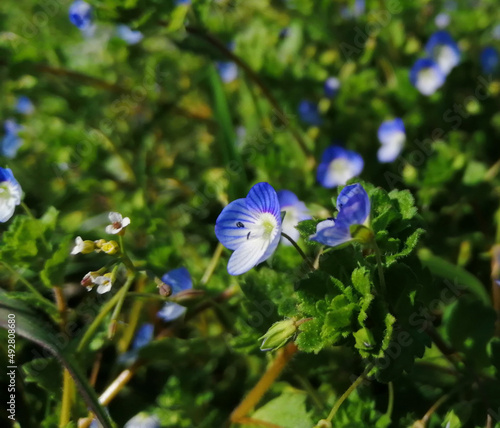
pixel 110 247
pixel 98 244
pixel 82 247
pixel 278 335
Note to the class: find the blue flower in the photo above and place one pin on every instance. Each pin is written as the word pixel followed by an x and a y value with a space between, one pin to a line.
pixel 354 208
pixel 490 60
pixel 332 86
pixel 183 2
pixel 228 71
pixel 179 280
pixel 392 136
pixel 296 211
pixel 143 336
pixel 24 105
pixel 496 32
pixel 80 15
pixel 426 76
pixel 11 141
pixel 309 113
pixel 10 194
pixel 443 50
pixel 251 227
pixel 338 166
pixel 442 20
pixel 130 36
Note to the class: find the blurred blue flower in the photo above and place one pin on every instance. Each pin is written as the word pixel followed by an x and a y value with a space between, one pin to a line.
pixel 490 60
pixel 354 11
pixel 228 71
pixel 426 76
pixel 80 15
pixel 142 420
pixel 180 2
pixel 442 20
pixel 251 227
pixel 332 86
pixel 10 194
pixel 338 165
pixel 392 136
pixel 443 50
pixel 284 33
pixel 143 336
pixel 354 208
pixel 309 113
pixel 11 141
pixel 296 211
pixel 24 105
pixel 130 36
pixel 179 280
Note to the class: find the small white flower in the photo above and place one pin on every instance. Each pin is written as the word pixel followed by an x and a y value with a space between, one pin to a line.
pixel 88 280
pixel 104 283
pixel 83 247
pixel 118 223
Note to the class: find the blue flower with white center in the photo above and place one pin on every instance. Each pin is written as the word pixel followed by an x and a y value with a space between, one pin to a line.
pixel 338 166
pixel 296 211
pixel 427 76
pixel 228 71
pixel 251 227
pixel 392 136
pixel 354 208
pixel 442 20
pixel 490 60
pixel 11 141
pixel 309 113
pixel 131 37
pixel 10 194
pixel 332 86
pixel 443 50
pixel 80 15
pixel 24 105
pixel 179 280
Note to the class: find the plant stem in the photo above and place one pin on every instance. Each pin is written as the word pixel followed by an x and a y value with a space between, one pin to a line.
pixel 19 277
pixel 380 270
pixel 65 415
pixel 212 265
pixel 346 394
pixel 118 307
pixel 390 404
pixel 100 316
pixel 299 250
pixel 265 382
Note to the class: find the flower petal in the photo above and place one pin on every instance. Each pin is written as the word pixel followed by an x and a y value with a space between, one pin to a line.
pixel 171 311
pixel 353 204
pixel 179 279
pixel 228 225
pixel 263 198
pixel 249 254
pixel 331 233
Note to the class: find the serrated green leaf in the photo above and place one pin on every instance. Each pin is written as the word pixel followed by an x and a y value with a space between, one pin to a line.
pixel 361 281
pixel 309 339
pixel 406 203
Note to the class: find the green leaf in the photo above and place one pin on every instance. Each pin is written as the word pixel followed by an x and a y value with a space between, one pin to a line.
pixel 406 203
pixel 31 325
pixel 309 339
pixel 52 274
pixel 307 228
pixel 361 281
pixel 46 373
pixel 287 411
pixel 444 269
pixel 408 246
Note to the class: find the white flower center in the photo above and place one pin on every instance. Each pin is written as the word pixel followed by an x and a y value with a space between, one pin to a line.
pixel 266 227
pixel 427 81
pixel 5 191
pixel 341 170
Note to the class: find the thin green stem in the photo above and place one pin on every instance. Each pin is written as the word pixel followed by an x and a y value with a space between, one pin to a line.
pixel 346 394
pixel 118 307
pixel 20 278
pixel 378 257
pixel 65 415
pixel 102 314
pixel 299 250
pixel 390 404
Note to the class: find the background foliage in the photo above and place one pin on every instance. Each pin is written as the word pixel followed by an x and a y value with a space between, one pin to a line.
pixel 150 130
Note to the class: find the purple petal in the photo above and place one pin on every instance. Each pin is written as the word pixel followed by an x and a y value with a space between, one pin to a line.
pixel 262 198
pixel 179 279
pixel 171 311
